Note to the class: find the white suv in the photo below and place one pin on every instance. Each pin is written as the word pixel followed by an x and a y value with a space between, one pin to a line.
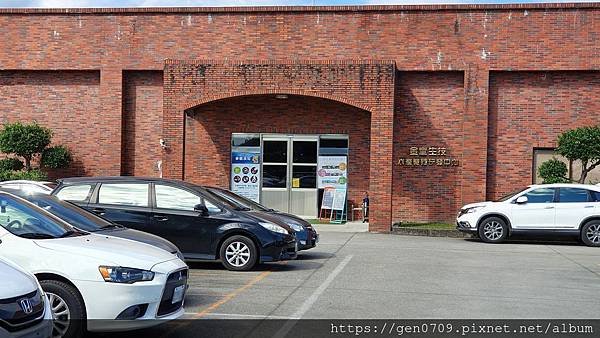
pixel 552 208
pixel 24 309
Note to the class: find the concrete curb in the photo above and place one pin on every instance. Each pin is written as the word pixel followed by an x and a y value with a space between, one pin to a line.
pixel 430 232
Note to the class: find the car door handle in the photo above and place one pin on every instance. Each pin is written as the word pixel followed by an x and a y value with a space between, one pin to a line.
pixel 99 211
pixel 549 208
pixel 160 218
pixel 589 206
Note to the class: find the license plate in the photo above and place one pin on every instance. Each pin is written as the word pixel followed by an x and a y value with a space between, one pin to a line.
pixel 178 294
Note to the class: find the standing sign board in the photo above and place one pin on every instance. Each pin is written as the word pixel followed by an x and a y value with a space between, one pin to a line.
pixel 339 199
pixel 332 171
pixel 245 174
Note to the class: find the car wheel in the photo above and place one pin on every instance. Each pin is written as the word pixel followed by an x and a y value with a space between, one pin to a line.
pixel 493 230
pixel 590 233
pixel 68 311
pixel 238 253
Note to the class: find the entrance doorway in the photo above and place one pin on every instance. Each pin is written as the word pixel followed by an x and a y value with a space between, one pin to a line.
pixel 285 168
pixel 289 173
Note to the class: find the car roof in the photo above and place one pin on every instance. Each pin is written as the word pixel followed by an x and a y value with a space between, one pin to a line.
pixel 567 185
pixel 103 179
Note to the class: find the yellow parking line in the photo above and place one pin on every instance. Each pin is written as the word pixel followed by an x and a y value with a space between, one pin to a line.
pixel 233 294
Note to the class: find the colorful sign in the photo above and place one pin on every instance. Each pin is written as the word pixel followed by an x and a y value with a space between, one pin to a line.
pixel 332 171
pixel 245 174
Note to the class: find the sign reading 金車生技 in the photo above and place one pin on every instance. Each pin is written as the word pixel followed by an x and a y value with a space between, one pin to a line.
pixel 332 171
pixel 428 156
pixel 245 174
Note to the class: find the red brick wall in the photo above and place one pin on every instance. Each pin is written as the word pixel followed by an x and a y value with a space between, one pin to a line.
pixel 530 109
pixel 209 128
pixel 142 122
pixel 65 101
pixel 429 112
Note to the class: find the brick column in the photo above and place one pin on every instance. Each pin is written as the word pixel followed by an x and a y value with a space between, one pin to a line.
pixel 380 181
pixel 475 135
pixel 109 144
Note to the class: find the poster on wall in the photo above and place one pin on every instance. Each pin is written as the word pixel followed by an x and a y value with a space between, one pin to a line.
pixel 245 174
pixel 332 171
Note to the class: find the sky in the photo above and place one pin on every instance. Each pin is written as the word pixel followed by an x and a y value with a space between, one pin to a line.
pixel 174 3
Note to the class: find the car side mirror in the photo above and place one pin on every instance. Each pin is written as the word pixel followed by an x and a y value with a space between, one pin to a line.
pixel 521 200
pixel 202 209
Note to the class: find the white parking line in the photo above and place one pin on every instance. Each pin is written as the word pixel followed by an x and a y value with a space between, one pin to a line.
pixel 310 301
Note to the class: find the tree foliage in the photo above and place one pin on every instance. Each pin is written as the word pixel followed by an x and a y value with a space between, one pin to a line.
pixel 9 164
pixel 581 144
pixel 553 171
pixel 24 140
pixel 56 157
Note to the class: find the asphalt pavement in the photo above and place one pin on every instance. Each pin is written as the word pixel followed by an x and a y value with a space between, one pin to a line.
pixel 371 276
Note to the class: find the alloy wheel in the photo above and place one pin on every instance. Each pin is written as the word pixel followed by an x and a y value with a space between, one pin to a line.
pixel 237 254
pixel 61 315
pixel 593 233
pixel 493 230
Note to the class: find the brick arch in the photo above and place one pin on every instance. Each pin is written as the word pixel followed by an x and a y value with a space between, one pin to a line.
pixel 195 101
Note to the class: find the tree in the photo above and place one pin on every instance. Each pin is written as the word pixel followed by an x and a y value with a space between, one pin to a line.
pixel 24 140
pixel 553 171
pixel 581 144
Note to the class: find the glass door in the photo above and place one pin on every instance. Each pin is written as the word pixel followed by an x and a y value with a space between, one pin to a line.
pixel 303 191
pixel 275 172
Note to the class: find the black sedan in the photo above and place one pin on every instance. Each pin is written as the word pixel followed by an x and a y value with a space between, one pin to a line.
pixel 87 221
pixel 306 234
pixel 203 225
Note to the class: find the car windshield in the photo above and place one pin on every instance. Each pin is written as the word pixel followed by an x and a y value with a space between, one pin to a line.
pixel 222 200
pixel 511 195
pixel 241 201
pixel 28 221
pixel 72 214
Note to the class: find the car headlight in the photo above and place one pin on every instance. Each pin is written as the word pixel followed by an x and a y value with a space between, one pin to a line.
pixel 296 227
pixel 117 274
pixel 273 227
pixel 468 210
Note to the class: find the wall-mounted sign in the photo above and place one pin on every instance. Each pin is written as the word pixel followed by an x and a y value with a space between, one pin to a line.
pixel 245 174
pixel 428 156
pixel 332 171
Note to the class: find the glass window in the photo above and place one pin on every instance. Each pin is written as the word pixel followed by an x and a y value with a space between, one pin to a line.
pixel 70 213
pixel 168 197
pixel 77 193
pixel 305 152
pixel 333 146
pixel 306 174
pixel 597 193
pixel 274 176
pixel 245 140
pixel 573 195
pixel 541 195
pixel 275 152
pixel 128 194
pixel 24 221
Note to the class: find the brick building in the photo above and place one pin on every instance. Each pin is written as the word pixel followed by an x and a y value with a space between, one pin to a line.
pixel 436 105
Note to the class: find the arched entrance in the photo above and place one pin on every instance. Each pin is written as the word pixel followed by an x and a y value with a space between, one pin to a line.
pixel 289 132
pixel 366 85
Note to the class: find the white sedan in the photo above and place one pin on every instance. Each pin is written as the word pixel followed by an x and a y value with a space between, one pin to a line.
pixel 24 309
pixel 88 277
pixel 549 208
pixel 41 187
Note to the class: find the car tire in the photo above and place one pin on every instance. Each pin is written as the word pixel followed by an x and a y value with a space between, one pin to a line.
pixel 68 310
pixel 590 233
pixel 493 230
pixel 238 253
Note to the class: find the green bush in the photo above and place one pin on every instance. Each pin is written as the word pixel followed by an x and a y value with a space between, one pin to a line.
pixel 31 175
pixel 56 157
pixel 553 171
pixel 9 164
pixel 581 144
pixel 24 140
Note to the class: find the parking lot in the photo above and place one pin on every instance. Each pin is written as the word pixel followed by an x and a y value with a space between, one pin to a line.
pixel 369 276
